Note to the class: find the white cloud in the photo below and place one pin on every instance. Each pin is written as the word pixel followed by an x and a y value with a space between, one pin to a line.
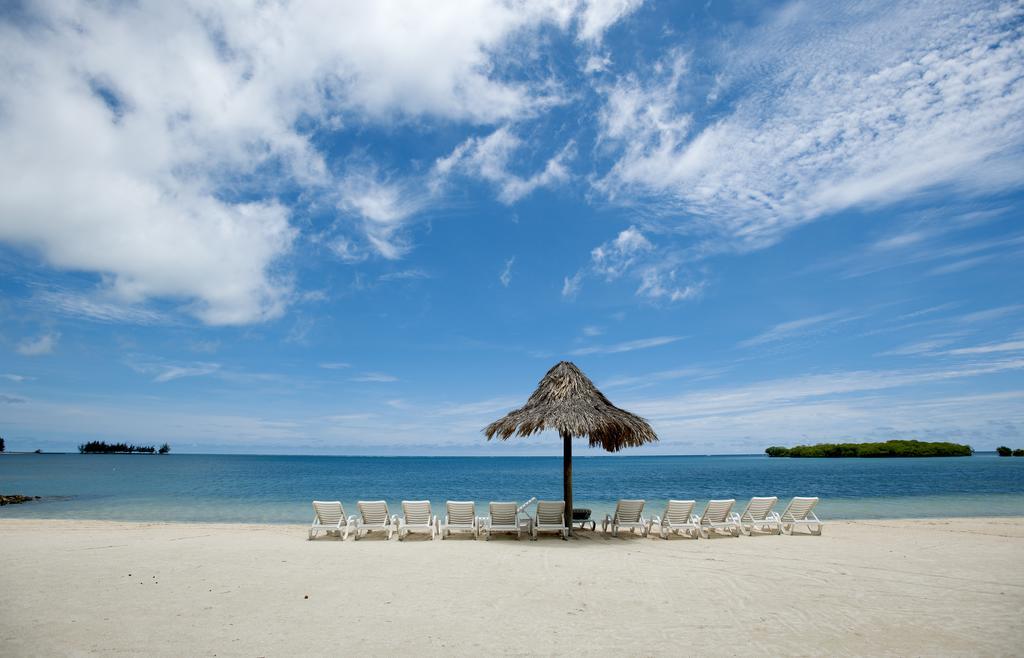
pixel 571 285
pixel 990 348
pixel 991 314
pixel 659 376
pixel 335 365
pixel 383 206
pixel 598 15
pixel 614 257
pixel 40 346
pixel 150 142
pixel 628 346
pixel 881 103
pixel 631 253
pixel 488 158
pixel 784 392
pixel 800 327
pixel 592 330
pixel 506 274
pixel 375 377
pixel 163 372
pixel 922 347
pixel 11 377
pixel 404 275
pixel 661 284
pixel 95 307
pixel 348 251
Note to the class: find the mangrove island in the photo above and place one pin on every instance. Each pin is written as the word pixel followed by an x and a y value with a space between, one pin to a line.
pixel 882 449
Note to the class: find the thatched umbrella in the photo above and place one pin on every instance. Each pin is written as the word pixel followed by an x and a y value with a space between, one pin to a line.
pixel 566 400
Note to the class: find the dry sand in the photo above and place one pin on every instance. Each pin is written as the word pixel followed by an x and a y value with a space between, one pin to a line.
pixel 936 587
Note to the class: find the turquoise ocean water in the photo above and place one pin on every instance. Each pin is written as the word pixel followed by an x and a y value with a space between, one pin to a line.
pixel 278 489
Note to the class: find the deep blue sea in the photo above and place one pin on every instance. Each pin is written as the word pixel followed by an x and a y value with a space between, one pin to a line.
pixel 278 489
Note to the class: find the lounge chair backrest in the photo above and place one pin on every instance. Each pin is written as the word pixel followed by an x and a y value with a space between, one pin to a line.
pixel 758 508
pixel 718 510
pixel 503 514
pixel 628 511
pixel 678 512
pixel 460 512
pixel 799 508
pixel 416 512
pixel 328 512
pixel 374 512
pixel 551 512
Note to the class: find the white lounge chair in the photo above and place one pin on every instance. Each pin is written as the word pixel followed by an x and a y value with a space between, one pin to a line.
pixel 373 516
pixel 550 518
pixel 460 516
pixel 416 517
pixel 627 515
pixel 329 518
pixel 718 515
pixel 678 518
pixel 504 517
pixel 758 515
pixel 800 511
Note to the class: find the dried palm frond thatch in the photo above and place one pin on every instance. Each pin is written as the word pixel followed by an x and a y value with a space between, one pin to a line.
pixel 568 402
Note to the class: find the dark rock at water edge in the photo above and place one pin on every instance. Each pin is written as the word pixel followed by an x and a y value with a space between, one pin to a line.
pixel 14 499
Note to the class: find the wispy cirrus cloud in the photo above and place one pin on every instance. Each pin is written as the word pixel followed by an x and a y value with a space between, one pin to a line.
pixel 882 103
pixel 97 307
pixel 39 346
pixel 164 371
pixel 1016 345
pixel 374 377
pixel 632 254
pixel 506 273
pixel 490 159
pixel 627 346
pixel 800 327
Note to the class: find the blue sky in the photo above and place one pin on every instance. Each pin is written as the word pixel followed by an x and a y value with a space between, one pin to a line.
pixel 371 229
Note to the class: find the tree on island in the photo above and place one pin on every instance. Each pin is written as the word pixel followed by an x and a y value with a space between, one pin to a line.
pixel 104 448
pixel 1019 452
pixel 882 449
pixel 1003 451
pixel 2 444
pixel 164 449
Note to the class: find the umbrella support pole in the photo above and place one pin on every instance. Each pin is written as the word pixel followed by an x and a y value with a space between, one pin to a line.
pixel 567 480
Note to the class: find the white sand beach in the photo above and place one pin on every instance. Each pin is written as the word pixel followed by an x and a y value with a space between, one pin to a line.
pixel 893 587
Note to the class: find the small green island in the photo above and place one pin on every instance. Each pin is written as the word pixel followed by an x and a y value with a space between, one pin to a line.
pixel 104 448
pixel 881 449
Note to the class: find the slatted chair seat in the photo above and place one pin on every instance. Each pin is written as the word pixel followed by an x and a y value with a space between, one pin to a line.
pixel 503 517
pixel 718 516
pixel 800 512
pixel 460 516
pixel 373 516
pixel 329 518
pixel 417 516
pixel 758 515
pixel 628 514
pixel 678 518
pixel 550 518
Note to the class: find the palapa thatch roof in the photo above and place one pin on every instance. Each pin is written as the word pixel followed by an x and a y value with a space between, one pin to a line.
pixel 568 402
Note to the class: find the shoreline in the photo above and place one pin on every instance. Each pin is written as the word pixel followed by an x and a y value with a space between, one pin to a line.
pixel 873 587
pixel 49 520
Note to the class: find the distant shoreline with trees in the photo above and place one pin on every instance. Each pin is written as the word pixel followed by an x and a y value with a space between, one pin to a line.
pixel 104 448
pixel 878 449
